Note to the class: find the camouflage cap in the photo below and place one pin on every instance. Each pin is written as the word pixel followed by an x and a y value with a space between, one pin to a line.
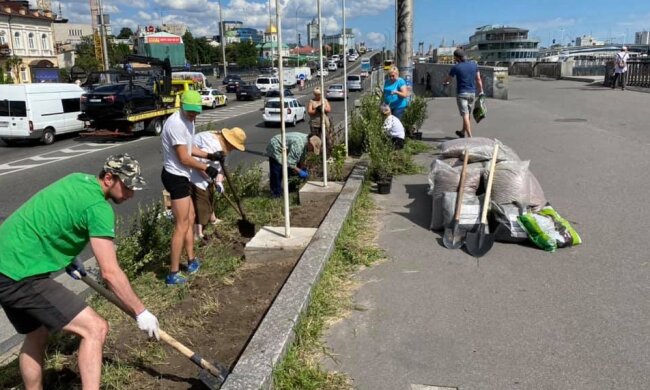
pixel 127 169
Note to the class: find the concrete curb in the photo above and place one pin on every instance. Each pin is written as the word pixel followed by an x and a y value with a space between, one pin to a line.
pixel 275 334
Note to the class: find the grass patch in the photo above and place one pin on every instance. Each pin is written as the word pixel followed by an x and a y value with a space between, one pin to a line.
pixel 331 299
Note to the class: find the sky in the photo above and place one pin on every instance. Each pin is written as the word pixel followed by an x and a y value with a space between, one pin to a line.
pixel 373 21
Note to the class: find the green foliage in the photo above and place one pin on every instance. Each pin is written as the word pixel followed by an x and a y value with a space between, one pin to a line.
pixel 246 181
pixel 117 53
pixel 365 117
pixel 198 51
pixel 414 115
pixel 12 65
pixel 86 55
pixel 125 33
pixel 338 161
pixel 147 240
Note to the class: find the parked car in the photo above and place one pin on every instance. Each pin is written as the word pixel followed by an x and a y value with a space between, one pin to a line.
pixel 267 83
pixel 233 83
pixel 322 72
pixel 354 82
pixel 294 111
pixel 248 92
pixel 331 66
pixel 213 98
pixel 230 77
pixel 114 101
pixel 335 92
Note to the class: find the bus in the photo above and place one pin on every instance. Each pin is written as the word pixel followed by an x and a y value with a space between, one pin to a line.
pixel 388 64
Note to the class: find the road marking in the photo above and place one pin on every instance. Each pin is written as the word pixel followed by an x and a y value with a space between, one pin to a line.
pixel 227 112
pixel 428 387
pixel 43 159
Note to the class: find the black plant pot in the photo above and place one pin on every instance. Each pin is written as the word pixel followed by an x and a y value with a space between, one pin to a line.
pixel 384 185
pixel 417 136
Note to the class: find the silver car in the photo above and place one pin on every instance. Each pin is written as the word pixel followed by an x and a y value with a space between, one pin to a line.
pixel 354 82
pixel 335 91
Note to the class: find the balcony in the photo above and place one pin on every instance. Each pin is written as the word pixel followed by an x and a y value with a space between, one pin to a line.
pixel 5 51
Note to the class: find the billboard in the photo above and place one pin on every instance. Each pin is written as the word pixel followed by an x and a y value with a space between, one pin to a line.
pixel 165 40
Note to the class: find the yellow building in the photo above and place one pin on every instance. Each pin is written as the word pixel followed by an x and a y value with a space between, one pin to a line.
pixel 27 43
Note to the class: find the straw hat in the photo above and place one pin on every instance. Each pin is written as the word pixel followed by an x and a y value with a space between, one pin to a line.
pixel 235 137
pixel 316 143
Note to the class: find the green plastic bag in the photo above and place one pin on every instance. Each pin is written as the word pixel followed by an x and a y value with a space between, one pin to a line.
pixel 480 110
pixel 548 230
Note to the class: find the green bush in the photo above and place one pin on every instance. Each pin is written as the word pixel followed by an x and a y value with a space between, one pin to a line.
pixel 414 115
pixel 146 241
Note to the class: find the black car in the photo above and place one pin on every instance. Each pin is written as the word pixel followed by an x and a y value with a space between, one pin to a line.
pixel 248 92
pixel 117 100
pixel 232 82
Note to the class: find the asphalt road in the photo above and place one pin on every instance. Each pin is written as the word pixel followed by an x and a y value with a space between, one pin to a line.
pixel 29 167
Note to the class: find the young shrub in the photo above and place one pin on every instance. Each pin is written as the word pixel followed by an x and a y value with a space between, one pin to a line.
pixel 415 115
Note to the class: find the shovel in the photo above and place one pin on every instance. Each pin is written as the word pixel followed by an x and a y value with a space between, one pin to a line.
pixel 246 227
pixel 212 375
pixel 453 237
pixel 479 242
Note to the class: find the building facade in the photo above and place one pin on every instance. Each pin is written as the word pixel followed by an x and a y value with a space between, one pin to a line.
pixel 642 38
pixel 502 44
pixel 338 40
pixel 174 28
pixel 68 35
pixel 27 43
pixel 588 40
pixel 312 33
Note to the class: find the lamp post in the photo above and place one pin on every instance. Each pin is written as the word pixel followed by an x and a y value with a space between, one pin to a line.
pixel 322 96
pixel 283 129
pixel 297 45
pixel 345 80
pixel 223 42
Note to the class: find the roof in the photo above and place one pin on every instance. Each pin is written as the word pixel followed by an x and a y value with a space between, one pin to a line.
pixel 270 45
pixel 14 9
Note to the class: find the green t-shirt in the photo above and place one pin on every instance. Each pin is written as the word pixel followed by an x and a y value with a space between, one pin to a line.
pixel 296 148
pixel 50 229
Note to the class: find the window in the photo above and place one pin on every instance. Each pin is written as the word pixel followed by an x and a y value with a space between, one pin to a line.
pixel 13 108
pixel 30 41
pixel 3 40
pixel 44 44
pixel 17 40
pixel 71 105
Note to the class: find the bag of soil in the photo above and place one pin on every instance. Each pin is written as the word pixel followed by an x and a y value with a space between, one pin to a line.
pixel 470 213
pixel 508 228
pixel 480 149
pixel 445 178
pixel 548 230
pixel 514 183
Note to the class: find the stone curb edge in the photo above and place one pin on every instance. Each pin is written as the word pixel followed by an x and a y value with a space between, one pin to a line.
pixel 275 334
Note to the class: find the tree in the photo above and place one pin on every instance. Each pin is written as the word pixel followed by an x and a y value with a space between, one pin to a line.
pixel 86 55
pixel 13 67
pixel 125 33
pixel 245 54
pixel 117 53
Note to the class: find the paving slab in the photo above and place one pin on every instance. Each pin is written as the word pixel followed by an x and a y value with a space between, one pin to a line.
pixel 270 244
pixel 315 191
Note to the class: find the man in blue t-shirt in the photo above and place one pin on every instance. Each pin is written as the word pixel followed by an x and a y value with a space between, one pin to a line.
pixel 467 77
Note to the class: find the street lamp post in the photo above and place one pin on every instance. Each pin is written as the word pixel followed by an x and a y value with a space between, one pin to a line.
pixel 283 130
pixel 322 98
pixel 345 80
pixel 223 42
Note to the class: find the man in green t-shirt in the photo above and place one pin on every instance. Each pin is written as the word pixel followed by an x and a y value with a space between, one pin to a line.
pixel 45 235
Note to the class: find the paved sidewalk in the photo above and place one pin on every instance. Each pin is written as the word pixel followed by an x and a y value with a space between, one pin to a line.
pixel 518 318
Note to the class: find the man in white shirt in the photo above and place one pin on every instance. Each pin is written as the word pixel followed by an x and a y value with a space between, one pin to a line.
pixel 620 67
pixel 393 127
pixel 178 163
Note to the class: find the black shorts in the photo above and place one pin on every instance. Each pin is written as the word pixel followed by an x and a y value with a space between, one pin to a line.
pixel 177 186
pixel 38 301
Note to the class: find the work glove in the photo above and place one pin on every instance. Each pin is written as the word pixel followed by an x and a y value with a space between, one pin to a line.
pixel 219 187
pixel 212 171
pixel 149 323
pixel 76 265
pixel 216 156
pixel 303 174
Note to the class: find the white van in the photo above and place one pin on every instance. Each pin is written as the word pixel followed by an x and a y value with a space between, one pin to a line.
pixel 331 66
pixel 265 84
pixel 39 111
pixel 354 82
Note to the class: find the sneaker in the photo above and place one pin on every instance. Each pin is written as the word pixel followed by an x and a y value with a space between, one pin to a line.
pixel 175 278
pixel 460 134
pixel 193 265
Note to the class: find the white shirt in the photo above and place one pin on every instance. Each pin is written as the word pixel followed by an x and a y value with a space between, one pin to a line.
pixel 176 131
pixel 394 127
pixel 625 57
pixel 208 142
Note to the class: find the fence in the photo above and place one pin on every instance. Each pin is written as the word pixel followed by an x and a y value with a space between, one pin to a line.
pixel 547 69
pixel 638 73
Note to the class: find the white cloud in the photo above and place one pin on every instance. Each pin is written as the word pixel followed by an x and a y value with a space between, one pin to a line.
pixel 375 38
pixel 144 16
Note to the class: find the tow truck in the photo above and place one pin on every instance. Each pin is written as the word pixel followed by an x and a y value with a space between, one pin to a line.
pixel 150 121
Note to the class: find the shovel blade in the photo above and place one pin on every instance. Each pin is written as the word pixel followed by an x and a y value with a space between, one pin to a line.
pixel 246 228
pixel 210 381
pixel 480 242
pixel 453 237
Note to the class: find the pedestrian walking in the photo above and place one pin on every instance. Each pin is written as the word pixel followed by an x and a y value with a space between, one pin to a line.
pixel 318 108
pixel 298 145
pixel 396 93
pixel 204 188
pixel 394 127
pixel 179 161
pixel 468 78
pixel 45 235
pixel 620 68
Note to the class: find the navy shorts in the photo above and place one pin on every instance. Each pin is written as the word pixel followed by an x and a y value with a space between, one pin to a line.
pixel 178 186
pixel 38 301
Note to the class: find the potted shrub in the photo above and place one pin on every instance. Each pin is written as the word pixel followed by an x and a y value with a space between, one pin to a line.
pixel 414 117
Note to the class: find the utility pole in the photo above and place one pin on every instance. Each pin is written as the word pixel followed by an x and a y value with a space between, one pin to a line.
pixel 322 96
pixel 404 44
pixel 102 34
pixel 223 42
pixel 345 79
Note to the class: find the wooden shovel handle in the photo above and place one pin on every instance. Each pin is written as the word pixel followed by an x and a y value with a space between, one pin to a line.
pixel 488 189
pixel 461 187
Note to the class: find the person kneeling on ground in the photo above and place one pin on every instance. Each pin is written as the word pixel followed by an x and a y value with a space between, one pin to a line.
pixel 298 144
pixel 203 187
pixel 393 127
pixel 45 235
pixel 178 163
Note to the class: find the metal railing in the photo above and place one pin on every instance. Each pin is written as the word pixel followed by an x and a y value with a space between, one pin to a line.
pixel 547 69
pixel 638 73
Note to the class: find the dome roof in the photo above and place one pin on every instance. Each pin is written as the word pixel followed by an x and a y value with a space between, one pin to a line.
pixel 271 29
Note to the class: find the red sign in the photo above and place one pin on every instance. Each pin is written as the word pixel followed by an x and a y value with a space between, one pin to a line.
pixel 164 40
